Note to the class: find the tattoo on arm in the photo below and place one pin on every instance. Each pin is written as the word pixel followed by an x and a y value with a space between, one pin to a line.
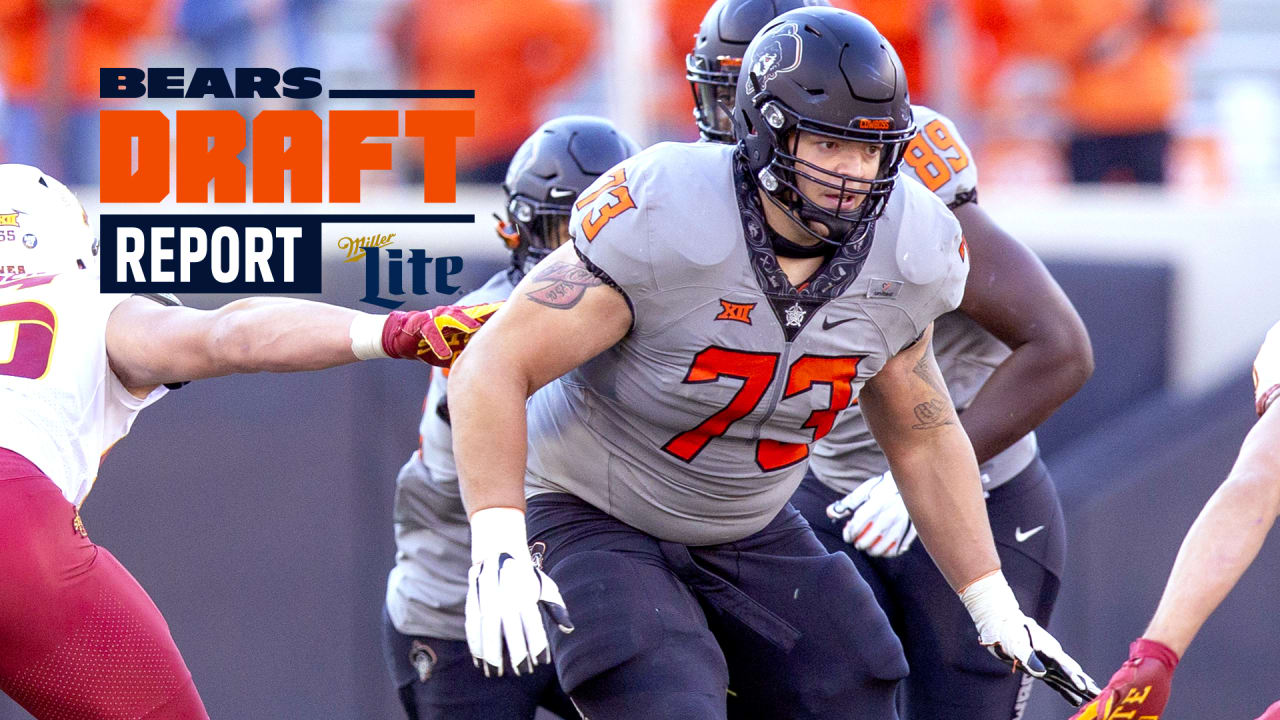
pixel 566 283
pixel 936 412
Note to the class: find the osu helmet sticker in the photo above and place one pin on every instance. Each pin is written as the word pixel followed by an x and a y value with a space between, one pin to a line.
pixel 778 54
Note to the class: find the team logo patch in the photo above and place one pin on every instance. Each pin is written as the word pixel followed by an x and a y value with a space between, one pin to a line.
pixel 423 659
pixel 740 312
pixel 9 218
pixel 795 315
pixel 778 54
pixel 30 240
pixel 883 288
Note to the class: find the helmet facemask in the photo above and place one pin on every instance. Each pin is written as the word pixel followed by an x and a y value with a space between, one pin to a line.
pixel 779 176
pixel 715 84
pixel 533 230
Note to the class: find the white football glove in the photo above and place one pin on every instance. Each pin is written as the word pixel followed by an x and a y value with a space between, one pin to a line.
pixel 878 523
pixel 1020 641
pixel 505 595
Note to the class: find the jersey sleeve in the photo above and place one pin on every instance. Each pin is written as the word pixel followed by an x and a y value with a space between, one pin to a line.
pixel 1266 371
pixel 940 160
pixel 609 227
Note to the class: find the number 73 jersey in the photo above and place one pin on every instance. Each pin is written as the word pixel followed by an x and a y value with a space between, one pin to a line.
pixel 696 426
pixel 61 406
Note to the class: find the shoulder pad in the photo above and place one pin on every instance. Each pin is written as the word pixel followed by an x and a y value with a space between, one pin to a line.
pixel 929 240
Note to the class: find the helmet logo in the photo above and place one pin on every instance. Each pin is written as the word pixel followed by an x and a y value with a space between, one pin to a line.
pixel 795 315
pixel 778 54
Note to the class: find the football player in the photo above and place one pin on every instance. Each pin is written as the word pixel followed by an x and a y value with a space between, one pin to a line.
pixel 1222 542
pixel 79 638
pixel 714 312
pixel 423 635
pixel 1013 352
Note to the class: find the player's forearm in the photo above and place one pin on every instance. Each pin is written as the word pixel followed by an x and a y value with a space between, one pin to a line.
pixel 264 334
pixel 1224 539
pixel 1003 411
pixel 939 483
pixel 487 414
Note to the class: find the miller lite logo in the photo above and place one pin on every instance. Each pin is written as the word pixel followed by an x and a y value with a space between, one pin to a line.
pixel 355 247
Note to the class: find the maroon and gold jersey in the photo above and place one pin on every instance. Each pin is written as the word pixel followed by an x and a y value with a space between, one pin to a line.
pixel 61 406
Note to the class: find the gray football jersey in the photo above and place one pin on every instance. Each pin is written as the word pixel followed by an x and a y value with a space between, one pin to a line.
pixel 938 159
pixel 427 589
pixel 696 426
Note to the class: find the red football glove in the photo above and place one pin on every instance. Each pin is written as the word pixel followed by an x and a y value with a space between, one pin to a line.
pixel 434 336
pixel 1140 688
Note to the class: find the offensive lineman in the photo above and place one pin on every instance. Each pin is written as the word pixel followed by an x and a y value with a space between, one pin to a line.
pixel 686 316
pixel 423 631
pixel 79 638
pixel 1010 301
pixel 1222 542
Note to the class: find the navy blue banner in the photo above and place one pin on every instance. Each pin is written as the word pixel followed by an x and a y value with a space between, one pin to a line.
pixel 211 253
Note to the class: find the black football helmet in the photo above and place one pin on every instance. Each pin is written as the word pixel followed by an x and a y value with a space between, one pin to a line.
pixel 548 172
pixel 712 67
pixel 830 72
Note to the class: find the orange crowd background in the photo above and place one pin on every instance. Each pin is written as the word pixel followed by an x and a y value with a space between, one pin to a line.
pixel 1118 70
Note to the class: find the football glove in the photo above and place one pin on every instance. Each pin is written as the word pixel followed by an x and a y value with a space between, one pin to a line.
pixel 1139 689
pixel 433 336
pixel 877 520
pixel 1019 640
pixel 506 594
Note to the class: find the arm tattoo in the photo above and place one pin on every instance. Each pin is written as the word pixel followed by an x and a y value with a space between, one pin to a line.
pixel 936 412
pixel 566 284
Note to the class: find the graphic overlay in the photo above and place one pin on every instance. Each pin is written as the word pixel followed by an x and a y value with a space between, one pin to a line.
pixel 148 159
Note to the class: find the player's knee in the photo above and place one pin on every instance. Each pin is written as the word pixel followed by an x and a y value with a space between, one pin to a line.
pixel 623 618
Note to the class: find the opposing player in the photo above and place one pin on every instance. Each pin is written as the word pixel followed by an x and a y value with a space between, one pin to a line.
pixel 1222 542
pixel 1010 302
pixel 423 634
pixel 713 315
pixel 79 638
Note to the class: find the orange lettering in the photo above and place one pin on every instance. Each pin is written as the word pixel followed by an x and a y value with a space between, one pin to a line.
pixel 198 164
pixel 439 130
pixel 349 154
pixel 303 158
pixel 150 184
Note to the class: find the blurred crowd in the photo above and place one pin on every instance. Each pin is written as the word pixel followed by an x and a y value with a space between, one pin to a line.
pixel 1085 90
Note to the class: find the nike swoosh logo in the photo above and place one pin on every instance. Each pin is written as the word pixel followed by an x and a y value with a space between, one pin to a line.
pixel 559 193
pixel 1022 536
pixel 827 324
